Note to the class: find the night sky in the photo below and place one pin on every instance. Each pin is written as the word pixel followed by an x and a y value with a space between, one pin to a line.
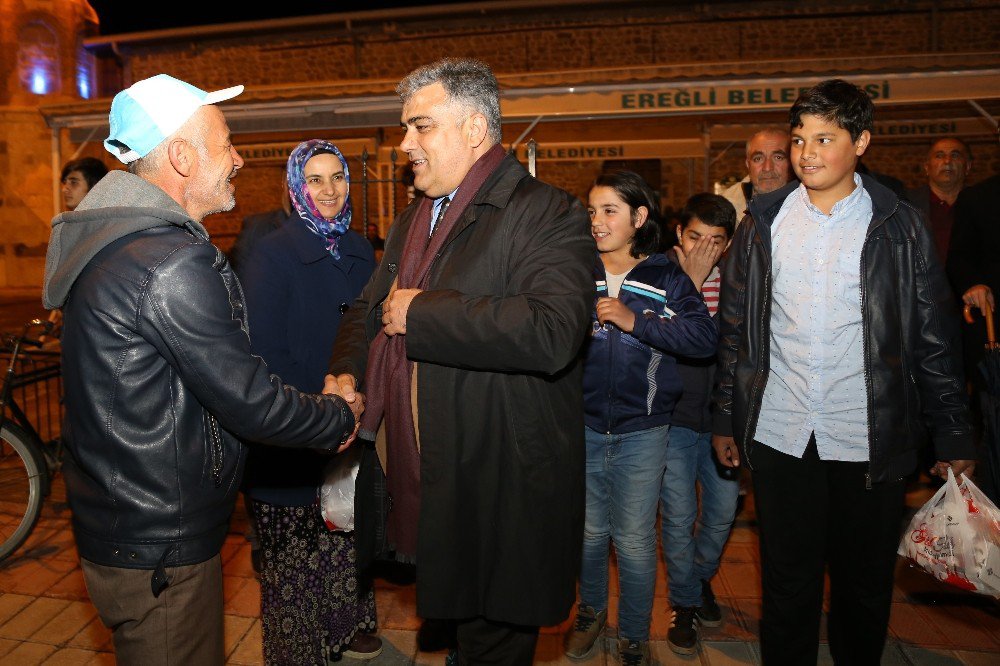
pixel 118 16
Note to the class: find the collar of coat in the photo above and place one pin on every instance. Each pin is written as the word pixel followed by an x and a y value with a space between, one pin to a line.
pixel 310 248
pixel 765 207
pixel 496 192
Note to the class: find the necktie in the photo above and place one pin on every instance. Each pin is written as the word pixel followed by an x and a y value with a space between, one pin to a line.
pixel 440 215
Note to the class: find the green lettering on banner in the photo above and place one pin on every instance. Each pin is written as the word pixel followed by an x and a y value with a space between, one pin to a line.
pixel 264 152
pixel 687 97
pixel 930 129
pixel 877 90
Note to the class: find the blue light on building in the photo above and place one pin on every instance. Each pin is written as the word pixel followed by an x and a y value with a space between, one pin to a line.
pixel 85 65
pixel 38 58
pixel 83 85
pixel 39 82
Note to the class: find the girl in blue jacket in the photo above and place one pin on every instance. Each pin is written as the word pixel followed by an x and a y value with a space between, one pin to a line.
pixel 646 313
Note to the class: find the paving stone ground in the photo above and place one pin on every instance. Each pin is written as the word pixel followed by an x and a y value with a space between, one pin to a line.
pixel 46 617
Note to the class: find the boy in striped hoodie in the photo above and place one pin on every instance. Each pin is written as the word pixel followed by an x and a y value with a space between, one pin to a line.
pixel 707 222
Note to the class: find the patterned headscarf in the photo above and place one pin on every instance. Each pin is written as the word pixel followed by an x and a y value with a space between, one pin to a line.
pixel 298 192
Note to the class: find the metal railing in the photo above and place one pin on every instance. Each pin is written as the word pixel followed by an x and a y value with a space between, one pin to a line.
pixel 37 390
pixel 385 192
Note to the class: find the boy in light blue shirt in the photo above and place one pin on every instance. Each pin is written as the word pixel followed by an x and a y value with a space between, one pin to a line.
pixel 838 357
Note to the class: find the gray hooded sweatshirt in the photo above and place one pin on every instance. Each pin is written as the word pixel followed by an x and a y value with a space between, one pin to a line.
pixel 118 205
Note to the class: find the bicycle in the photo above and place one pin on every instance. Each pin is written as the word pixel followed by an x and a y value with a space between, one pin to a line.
pixel 28 462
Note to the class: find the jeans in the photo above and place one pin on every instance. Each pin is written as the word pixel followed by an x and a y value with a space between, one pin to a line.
pixel 624 473
pixel 693 554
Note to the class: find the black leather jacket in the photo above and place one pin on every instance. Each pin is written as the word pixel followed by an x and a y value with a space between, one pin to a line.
pixel 160 380
pixel 913 372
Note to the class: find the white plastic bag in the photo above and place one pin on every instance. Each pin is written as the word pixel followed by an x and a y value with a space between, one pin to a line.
pixel 336 495
pixel 956 537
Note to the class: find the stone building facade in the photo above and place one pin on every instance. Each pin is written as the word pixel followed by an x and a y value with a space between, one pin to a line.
pixel 669 88
pixel 43 61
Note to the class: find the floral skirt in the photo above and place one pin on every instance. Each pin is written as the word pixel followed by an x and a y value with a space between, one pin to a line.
pixel 311 603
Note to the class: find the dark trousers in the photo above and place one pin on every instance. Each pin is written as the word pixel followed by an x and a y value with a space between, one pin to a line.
pixel 482 641
pixel 814 514
pixel 181 626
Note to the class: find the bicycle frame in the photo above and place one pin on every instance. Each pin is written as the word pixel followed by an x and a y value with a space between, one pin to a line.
pixel 14 380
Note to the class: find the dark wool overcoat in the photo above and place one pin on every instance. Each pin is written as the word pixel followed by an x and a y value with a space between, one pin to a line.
pixel 496 337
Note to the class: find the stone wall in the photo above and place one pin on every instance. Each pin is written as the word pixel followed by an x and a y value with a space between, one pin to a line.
pixel 557 40
pixel 26 196
pixel 513 41
pixel 27 201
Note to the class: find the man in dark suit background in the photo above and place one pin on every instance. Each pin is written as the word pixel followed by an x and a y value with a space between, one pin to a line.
pixel 948 163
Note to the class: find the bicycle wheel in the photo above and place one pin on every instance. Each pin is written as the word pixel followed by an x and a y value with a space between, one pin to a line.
pixel 21 476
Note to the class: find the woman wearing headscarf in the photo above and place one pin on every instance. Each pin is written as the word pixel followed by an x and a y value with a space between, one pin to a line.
pixel 299 281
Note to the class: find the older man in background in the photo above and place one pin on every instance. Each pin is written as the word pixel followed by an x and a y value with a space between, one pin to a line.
pixel 767 167
pixel 949 161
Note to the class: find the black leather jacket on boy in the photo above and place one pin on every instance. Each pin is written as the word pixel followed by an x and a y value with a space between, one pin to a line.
pixel 913 372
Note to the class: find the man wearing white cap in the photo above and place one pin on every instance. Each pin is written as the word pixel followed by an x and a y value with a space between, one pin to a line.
pixel 159 376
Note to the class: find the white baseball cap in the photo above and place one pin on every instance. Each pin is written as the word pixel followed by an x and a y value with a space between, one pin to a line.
pixel 148 111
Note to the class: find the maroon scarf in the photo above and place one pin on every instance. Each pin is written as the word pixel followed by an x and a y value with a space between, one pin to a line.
pixel 389 374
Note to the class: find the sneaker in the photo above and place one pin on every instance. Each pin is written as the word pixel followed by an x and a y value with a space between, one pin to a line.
pixel 709 615
pixel 633 653
pixel 582 637
pixel 682 637
pixel 364 647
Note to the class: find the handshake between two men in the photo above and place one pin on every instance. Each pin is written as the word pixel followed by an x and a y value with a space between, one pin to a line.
pixel 394 310
pixel 345 386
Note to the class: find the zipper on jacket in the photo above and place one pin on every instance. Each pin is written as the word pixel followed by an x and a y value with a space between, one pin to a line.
pixel 217 451
pixel 755 389
pixel 867 352
pixel 611 330
pixel 611 383
pixel 868 383
pixel 611 354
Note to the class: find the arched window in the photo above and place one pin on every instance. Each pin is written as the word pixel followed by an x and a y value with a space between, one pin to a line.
pixel 38 58
pixel 85 65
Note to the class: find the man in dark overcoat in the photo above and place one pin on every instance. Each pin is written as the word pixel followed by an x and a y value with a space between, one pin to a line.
pixel 465 343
